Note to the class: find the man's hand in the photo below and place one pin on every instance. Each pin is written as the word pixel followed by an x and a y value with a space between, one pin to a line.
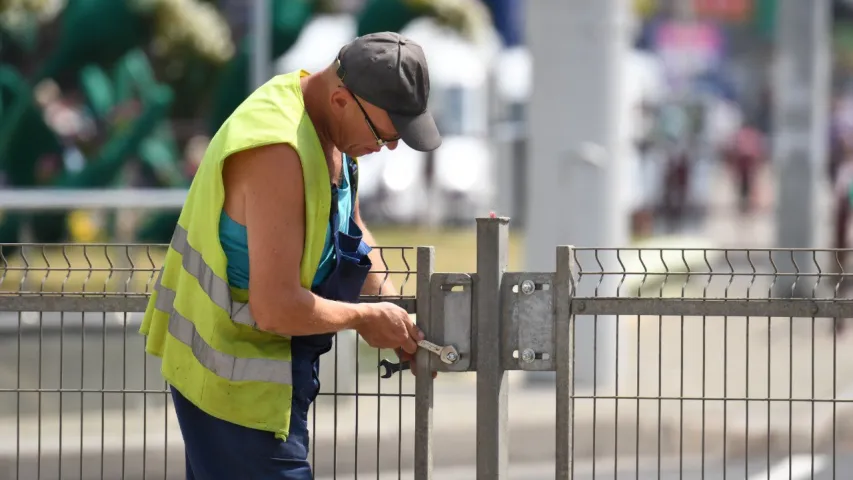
pixel 386 325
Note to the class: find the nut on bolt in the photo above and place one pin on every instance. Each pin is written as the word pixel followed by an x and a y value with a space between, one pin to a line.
pixel 528 355
pixel 452 357
pixel 528 287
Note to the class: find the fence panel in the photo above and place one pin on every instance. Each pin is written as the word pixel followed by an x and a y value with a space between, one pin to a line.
pixel 79 398
pixel 670 363
pixel 708 364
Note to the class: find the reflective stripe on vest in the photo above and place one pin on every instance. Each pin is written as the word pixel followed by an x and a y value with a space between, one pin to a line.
pixel 215 287
pixel 223 365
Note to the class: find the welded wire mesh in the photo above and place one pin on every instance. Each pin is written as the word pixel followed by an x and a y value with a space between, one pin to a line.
pixel 711 363
pixel 80 398
pixel 713 273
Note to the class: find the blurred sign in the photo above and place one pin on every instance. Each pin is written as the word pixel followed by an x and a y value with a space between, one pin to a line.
pixel 726 10
pixel 687 49
pixel 764 17
pixel 722 10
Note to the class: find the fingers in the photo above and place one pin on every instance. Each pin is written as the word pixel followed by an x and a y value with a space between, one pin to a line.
pixel 413 335
pixel 409 346
pixel 403 355
pixel 414 331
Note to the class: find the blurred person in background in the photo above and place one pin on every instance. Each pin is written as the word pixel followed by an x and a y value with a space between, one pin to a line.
pixel 676 138
pixel 270 257
pixel 745 155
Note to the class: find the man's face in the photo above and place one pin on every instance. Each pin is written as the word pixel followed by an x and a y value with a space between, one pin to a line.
pixel 363 128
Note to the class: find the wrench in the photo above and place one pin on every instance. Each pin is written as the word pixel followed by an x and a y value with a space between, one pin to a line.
pixel 446 354
pixel 391 368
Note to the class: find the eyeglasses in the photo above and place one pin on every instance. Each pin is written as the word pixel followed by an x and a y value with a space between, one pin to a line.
pixel 379 140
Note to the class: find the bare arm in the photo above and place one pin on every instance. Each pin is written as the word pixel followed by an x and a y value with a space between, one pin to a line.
pixel 271 181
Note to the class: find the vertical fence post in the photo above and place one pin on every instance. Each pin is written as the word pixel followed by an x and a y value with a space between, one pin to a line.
pixel 424 381
pixel 260 29
pixel 563 293
pixel 492 414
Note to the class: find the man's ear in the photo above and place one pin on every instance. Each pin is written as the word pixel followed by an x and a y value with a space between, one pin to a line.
pixel 339 99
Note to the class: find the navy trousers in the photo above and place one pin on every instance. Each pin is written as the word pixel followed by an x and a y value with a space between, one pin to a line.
pixel 216 449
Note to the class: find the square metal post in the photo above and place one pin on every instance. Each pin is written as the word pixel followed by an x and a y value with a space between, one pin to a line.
pixel 424 381
pixel 802 80
pixel 578 151
pixel 563 292
pixel 492 414
pixel 261 34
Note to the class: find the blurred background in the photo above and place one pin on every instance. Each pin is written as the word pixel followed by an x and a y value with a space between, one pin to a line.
pixel 673 124
pixel 108 94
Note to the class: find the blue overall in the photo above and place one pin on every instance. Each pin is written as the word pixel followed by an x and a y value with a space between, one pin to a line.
pixel 217 449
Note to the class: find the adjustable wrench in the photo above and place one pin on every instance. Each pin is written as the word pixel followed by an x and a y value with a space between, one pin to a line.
pixel 446 354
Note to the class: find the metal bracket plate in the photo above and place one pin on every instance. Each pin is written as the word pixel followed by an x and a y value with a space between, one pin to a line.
pixel 528 321
pixel 451 295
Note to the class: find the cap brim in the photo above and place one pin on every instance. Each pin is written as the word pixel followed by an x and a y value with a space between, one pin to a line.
pixel 419 132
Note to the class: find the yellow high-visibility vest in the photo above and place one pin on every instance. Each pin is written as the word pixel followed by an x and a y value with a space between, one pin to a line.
pixel 201 327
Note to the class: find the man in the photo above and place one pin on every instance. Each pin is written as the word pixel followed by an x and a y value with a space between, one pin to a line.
pixel 270 256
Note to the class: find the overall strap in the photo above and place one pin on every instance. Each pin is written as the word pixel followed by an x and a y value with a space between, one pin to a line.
pixel 352 168
pixel 352 165
pixel 333 207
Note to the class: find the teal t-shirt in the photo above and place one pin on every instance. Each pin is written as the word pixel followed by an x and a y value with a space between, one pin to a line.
pixel 234 240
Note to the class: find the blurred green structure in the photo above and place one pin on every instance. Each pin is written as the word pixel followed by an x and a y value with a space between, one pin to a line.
pixel 95 35
pixel 290 18
pixel 101 46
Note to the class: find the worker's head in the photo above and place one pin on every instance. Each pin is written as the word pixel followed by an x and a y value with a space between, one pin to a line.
pixel 379 95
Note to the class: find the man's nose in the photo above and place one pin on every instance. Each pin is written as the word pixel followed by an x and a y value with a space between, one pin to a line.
pixel 374 148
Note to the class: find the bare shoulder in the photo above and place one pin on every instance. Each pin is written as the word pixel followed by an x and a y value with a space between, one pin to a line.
pixel 260 163
pixel 263 177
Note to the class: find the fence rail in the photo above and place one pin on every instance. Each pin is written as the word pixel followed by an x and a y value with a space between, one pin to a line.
pixel 41 200
pixel 682 363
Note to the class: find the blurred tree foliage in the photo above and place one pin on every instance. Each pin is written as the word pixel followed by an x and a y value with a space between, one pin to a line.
pixel 188 41
pixel 191 43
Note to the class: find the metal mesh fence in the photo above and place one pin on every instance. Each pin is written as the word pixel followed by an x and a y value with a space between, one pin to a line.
pixel 80 398
pixel 703 363
pixel 671 363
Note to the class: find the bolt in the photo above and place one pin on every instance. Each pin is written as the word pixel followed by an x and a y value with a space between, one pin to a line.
pixel 580 306
pixel 528 287
pixel 528 355
pixel 452 357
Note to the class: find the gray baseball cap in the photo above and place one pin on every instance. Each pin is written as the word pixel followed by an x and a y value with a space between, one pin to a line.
pixel 390 71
